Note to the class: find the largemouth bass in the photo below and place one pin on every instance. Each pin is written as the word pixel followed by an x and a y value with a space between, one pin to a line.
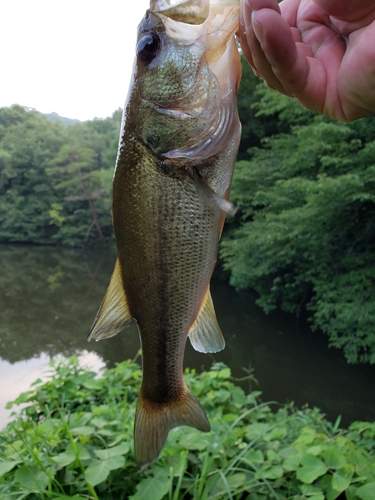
pixel 178 144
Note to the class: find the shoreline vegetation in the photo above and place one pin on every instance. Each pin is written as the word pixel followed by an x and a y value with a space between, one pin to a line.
pixel 302 238
pixel 73 438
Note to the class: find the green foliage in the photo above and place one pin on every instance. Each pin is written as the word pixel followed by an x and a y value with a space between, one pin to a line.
pixel 253 127
pixel 73 438
pixel 304 237
pixel 55 181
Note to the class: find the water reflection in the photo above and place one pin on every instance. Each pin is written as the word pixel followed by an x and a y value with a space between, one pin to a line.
pixel 19 376
pixel 49 297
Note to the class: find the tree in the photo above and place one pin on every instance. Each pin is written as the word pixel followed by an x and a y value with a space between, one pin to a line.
pixel 304 238
pixel 26 194
pixel 55 181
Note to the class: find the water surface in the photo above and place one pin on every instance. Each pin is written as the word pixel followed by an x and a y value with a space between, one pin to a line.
pixel 49 297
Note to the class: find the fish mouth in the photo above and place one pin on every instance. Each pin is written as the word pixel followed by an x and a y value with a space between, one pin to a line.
pixel 186 11
pixel 211 22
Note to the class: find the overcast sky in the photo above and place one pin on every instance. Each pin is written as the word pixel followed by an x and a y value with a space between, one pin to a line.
pixel 70 56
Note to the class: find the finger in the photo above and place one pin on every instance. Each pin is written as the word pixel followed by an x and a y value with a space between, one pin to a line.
pixel 349 11
pixel 270 39
pixel 247 39
pixel 262 4
pixel 241 36
pixel 288 65
pixel 246 36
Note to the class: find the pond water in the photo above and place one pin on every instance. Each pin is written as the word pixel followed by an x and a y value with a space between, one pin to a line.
pixel 49 297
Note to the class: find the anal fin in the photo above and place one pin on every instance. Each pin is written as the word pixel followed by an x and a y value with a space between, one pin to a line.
pixel 205 333
pixel 113 315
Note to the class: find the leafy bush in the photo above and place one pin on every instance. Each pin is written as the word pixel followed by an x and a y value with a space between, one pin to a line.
pixel 303 238
pixel 74 439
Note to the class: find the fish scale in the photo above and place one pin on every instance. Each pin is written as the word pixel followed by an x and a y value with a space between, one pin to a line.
pixel 170 196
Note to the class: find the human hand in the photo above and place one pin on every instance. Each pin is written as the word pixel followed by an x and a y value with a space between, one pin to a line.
pixel 322 52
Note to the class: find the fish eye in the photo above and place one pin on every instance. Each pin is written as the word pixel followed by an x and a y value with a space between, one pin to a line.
pixel 148 47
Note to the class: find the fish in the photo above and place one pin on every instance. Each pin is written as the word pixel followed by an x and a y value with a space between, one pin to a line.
pixel 178 145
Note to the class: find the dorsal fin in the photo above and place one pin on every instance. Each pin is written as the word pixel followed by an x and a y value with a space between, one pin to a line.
pixel 205 334
pixel 113 315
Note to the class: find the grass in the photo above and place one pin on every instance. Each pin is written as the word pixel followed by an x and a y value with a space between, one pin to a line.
pixel 74 439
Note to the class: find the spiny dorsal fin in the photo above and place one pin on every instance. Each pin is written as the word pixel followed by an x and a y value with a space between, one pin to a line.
pixel 113 315
pixel 205 334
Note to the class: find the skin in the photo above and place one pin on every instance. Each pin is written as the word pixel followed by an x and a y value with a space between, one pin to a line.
pixel 319 51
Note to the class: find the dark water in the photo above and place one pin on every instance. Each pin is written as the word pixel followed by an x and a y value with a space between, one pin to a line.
pixel 49 297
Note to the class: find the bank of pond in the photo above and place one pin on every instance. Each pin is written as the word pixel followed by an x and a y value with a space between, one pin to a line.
pixel 73 438
pixel 49 297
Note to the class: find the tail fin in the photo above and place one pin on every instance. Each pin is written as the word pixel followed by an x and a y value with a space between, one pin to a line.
pixel 153 421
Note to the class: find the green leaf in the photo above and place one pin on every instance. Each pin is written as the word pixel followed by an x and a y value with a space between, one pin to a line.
pixel 349 494
pixel 254 456
pixel 99 422
pixel 312 492
pixel 193 440
pixel 152 488
pixel 292 462
pixel 85 430
pixel 224 373
pixel 65 497
pixel 274 472
pixel 7 466
pixel 31 478
pixel 273 456
pixel 315 450
pixel 256 430
pixel 92 384
pixel 312 468
pixel 236 480
pixel 341 479
pixel 307 436
pixel 69 455
pixel 121 449
pixel 309 489
pixel 366 492
pixel 334 458
pixel 64 459
pixel 83 454
pixel 106 432
pixel 326 484
pixel 276 433
pixel 99 470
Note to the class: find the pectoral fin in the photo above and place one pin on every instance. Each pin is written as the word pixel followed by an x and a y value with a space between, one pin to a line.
pixel 205 334
pixel 113 315
pixel 208 196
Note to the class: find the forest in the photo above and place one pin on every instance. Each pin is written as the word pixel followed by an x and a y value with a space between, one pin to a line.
pixel 302 237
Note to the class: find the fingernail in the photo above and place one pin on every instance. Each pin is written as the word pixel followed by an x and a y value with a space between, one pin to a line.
pixel 246 13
